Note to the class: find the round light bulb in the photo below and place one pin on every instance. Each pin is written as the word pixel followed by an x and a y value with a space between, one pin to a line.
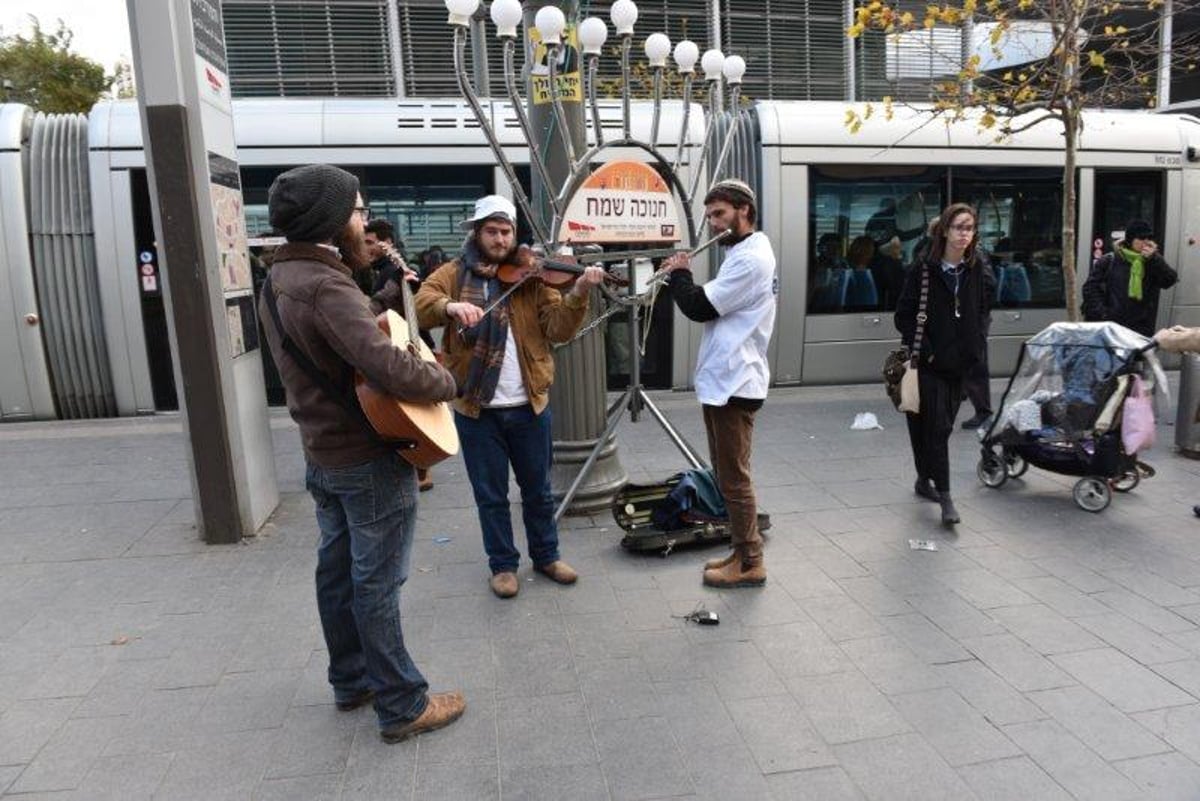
pixel 506 16
pixel 624 14
pixel 734 69
pixel 592 35
pixel 461 11
pixel 550 23
pixel 658 47
pixel 712 63
pixel 686 55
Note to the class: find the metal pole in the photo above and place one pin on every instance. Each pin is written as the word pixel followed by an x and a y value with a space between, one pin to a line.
pixel 479 55
pixel 851 52
pixel 395 48
pixel 1165 35
pixel 578 396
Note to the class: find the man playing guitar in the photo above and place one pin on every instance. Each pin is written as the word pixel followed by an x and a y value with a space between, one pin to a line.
pixel 504 365
pixel 320 331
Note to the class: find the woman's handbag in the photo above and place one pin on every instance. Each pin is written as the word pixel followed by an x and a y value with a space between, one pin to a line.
pixel 900 366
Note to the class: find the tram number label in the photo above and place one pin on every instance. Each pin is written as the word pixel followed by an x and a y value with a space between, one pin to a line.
pixel 1168 161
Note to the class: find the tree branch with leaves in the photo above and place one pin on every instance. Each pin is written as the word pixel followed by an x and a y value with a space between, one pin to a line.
pixel 47 75
pixel 1092 54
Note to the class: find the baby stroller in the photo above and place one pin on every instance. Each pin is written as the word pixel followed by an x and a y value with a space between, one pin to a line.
pixel 1062 410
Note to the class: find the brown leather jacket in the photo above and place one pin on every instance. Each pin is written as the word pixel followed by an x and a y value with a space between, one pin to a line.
pixel 539 317
pixel 327 316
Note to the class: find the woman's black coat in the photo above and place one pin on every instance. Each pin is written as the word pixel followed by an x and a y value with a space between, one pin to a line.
pixel 950 345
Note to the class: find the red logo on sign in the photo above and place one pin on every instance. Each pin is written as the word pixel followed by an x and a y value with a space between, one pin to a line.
pixel 213 80
pixel 578 226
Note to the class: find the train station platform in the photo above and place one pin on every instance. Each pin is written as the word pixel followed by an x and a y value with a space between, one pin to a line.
pixel 1041 652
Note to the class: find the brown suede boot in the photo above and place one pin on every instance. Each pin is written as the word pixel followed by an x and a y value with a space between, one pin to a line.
pixel 738 573
pixel 559 571
pixel 717 564
pixel 504 584
pixel 424 479
pixel 442 710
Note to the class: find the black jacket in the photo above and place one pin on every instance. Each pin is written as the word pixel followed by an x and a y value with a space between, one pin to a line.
pixel 950 344
pixel 1106 292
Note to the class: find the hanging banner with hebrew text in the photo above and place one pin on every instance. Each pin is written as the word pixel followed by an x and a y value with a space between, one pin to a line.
pixel 623 201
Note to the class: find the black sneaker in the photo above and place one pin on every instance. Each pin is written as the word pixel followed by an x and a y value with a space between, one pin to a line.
pixel 978 420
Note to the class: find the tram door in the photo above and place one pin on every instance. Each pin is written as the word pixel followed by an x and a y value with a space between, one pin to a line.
pixel 154 313
pixel 1121 196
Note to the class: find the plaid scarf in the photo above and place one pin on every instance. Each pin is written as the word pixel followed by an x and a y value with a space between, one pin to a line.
pixel 478 285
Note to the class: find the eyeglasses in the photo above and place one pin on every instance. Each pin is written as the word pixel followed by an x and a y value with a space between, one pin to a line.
pixel 363 211
pixel 963 229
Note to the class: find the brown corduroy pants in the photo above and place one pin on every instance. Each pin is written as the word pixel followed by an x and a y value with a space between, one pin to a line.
pixel 730 429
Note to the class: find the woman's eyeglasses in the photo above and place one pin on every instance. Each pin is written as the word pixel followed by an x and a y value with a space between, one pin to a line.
pixel 963 229
pixel 363 211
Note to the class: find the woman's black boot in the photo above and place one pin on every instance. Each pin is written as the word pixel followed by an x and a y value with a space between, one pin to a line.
pixel 949 513
pixel 924 487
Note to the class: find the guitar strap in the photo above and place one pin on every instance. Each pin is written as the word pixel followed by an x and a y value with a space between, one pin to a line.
pixel 343 399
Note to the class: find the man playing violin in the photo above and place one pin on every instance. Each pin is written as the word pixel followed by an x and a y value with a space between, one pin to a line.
pixel 320 330
pixel 738 311
pixel 504 366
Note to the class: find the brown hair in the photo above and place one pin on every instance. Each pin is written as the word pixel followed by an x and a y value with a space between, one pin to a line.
pixel 734 198
pixel 861 251
pixel 937 246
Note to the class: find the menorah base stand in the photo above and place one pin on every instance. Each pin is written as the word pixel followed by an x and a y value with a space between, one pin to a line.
pixel 604 479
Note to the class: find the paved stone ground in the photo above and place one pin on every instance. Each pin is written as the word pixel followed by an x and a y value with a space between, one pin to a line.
pixel 1041 653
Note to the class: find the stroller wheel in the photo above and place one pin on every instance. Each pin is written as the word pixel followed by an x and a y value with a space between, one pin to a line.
pixel 992 470
pixel 1015 464
pixel 1126 481
pixel 1092 494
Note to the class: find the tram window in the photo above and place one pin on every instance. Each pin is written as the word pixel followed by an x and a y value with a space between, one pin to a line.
pixel 1020 228
pixel 865 224
pixel 424 203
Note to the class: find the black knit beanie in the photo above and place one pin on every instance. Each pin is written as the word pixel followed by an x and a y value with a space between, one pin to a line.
pixel 1138 229
pixel 312 203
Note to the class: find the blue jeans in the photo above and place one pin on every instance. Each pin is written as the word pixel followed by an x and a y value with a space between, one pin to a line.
pixel 500 437
pixel 367 515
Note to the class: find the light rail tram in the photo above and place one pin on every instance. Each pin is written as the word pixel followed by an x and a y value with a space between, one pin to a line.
pixel 83 330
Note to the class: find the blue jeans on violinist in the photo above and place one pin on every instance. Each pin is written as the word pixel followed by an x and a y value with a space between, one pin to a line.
pixel 367 516
pixel 490 443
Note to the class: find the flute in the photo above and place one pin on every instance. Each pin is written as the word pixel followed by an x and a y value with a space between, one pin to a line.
pixel 661 275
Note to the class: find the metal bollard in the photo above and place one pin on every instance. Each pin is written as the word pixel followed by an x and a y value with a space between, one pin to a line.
pixel 1187 420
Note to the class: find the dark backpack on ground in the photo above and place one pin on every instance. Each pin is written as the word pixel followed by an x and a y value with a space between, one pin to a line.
pixel 685 510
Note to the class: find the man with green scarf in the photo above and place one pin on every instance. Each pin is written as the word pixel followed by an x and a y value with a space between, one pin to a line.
pixel 1123 286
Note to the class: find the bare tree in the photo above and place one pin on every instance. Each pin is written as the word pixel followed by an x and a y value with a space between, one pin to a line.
pixel 1092 54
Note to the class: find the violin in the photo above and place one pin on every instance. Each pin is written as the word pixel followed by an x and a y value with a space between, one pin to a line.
pixel 554 273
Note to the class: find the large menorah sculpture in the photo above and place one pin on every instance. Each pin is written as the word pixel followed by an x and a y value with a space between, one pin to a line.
pixel 550 24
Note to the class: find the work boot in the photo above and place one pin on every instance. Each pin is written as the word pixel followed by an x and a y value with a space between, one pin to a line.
pixel 717 564
pixel 504 584
pixel 924 487
pixel 949 513
pixel 559 571
pixel 737 573
pixel 442 710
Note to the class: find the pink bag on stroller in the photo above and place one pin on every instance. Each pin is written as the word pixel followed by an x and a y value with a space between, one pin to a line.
pixel 1137 419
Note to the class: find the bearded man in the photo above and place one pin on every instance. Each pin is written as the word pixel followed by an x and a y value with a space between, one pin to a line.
pixel 321 330
pixel 504 365
pixel 737 308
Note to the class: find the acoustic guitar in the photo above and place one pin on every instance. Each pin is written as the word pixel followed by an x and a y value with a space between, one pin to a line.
pixel 429 425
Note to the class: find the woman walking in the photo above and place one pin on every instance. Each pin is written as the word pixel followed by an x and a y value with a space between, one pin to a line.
pixel 947 279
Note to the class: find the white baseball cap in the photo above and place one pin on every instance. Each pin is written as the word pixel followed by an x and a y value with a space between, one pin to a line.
pixel 488 207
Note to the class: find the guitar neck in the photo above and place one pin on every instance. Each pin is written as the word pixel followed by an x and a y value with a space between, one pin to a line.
pixel 406 295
